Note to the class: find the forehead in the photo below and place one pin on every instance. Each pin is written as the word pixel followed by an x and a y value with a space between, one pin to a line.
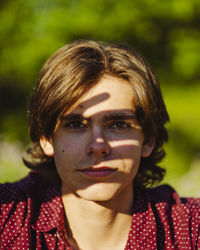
pixel 110 94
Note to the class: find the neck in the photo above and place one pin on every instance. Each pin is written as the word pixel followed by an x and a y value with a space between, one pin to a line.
pixel 88 221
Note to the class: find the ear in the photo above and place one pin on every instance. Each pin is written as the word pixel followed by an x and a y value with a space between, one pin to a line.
pixel 148 147
pixel 47 146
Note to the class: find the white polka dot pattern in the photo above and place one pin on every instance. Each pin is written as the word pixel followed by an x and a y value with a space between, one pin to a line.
pixel 32 217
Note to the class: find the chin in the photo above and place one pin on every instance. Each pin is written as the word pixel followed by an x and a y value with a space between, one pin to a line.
pixel 99 192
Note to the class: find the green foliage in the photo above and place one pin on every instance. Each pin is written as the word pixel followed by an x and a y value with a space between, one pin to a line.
pixel 183 150
pixel 11 166
pixel 165 32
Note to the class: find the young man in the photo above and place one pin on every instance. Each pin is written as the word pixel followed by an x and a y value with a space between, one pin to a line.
pixel 97 123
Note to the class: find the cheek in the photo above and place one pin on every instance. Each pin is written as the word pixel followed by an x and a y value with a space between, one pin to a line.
pixel 127 149
pixel 65 145
pixel 67 152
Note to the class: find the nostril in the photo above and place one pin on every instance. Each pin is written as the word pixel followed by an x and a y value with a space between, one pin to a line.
pixel 98 145
pixel 104 153
pixel 98 149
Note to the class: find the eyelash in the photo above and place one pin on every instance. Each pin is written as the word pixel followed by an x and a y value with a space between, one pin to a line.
pixel 120 125
pixel 75 125
pixel 81 125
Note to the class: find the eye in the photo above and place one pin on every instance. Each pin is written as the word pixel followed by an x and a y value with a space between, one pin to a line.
pixel 120 125
pixel 75 125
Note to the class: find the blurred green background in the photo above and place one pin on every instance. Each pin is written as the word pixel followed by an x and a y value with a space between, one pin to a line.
pixel 166 33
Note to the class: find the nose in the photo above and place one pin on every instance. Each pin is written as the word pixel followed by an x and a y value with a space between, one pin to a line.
pixel 98 146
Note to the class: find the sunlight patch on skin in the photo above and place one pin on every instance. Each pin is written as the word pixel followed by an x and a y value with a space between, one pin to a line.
pixel 126 142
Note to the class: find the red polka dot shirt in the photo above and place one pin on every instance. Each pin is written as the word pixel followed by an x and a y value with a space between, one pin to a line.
pixel 32 217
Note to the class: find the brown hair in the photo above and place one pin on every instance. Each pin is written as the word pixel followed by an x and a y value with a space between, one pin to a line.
pixel 71 72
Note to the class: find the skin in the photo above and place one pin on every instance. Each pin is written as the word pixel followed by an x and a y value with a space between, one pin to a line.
pixel 97 148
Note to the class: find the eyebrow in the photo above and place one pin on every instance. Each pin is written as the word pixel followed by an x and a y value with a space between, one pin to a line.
pixel 72 116
pixel 120 116
pixel 113 116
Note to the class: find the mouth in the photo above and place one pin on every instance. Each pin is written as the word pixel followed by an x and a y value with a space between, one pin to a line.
pixel 100 172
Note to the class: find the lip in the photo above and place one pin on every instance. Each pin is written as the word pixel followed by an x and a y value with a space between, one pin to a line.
pixel 98 172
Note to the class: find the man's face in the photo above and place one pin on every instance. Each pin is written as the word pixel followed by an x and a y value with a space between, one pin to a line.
pixel 98 145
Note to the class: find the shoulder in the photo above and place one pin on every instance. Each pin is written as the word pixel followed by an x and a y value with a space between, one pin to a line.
pixel 182 213
pixel 18 191
pixel 178 216
pixel 21 205
pixel 9 191
pixel 166 194
pixel 13 206
pixel 33 187
pixel 14 197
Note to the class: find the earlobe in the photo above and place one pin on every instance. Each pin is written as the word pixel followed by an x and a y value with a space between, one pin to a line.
pixel 148 147
pixel 47 146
